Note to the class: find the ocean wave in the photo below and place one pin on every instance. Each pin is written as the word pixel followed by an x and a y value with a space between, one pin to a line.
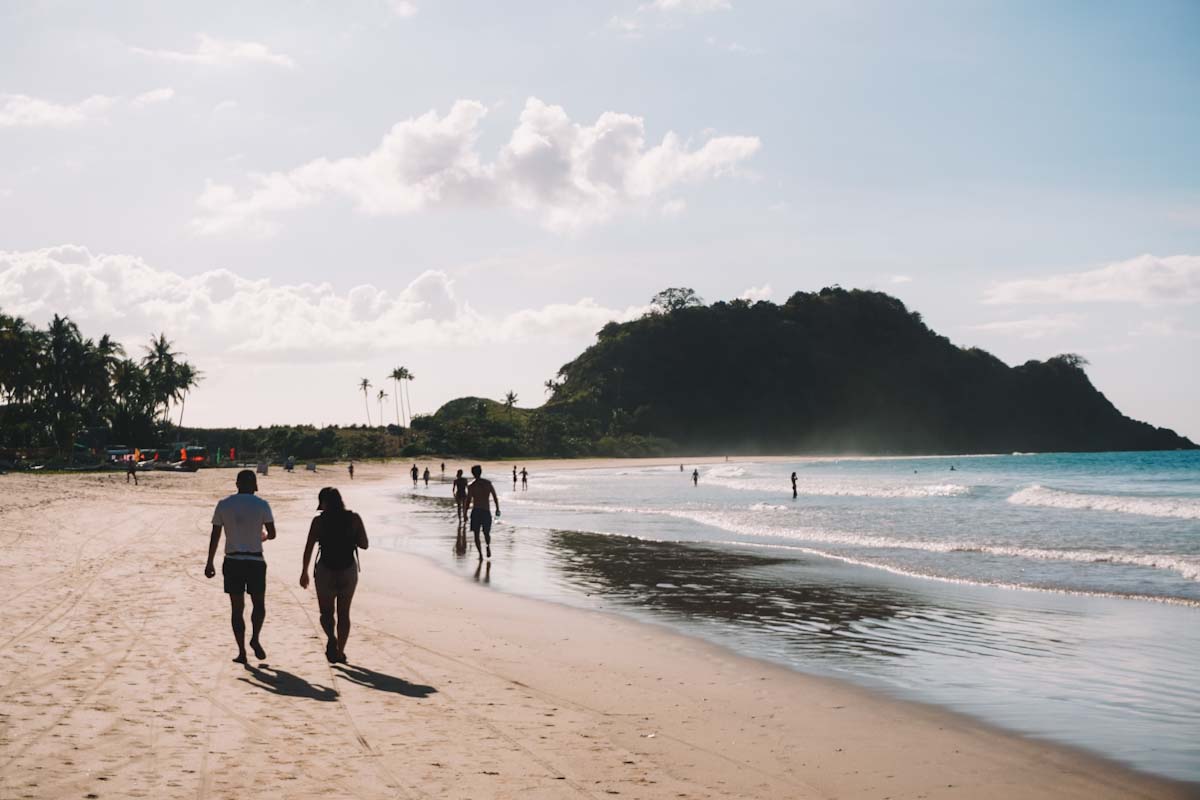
pixel 1174 507
pixel 1187 566
pixel 811 488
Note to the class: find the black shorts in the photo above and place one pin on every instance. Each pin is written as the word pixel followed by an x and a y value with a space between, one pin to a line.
pixel 243 575
pixel 481 518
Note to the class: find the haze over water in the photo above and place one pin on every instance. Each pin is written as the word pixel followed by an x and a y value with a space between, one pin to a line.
pixel 1057 595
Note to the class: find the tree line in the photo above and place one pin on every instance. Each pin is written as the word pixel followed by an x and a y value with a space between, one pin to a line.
pixel 62 390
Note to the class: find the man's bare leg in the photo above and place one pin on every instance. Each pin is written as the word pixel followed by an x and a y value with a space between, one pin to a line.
pixel 237 604
pixel 257 614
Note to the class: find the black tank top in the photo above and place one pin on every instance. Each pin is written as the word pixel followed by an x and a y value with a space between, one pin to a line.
pixel 338 539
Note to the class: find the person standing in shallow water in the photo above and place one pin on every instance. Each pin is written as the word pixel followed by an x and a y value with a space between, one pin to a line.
pixel 524 479
pixel 695 477
pixel 794 494
pixel 481 518
pixel 244 518
pixel 340 533
pixel 514 477
pixel 416 474
pixel 426 477
pixel 460 495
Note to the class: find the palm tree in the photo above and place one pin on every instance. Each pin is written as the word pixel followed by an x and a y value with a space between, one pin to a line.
pixel 510 400
pixel 381 397
pixel 365 386
pixel 551 386
pixel 160 365
pixel 408 378
pixel 395 377
pixel 186 377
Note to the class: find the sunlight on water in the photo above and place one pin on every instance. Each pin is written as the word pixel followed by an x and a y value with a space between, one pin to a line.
pixel 1055 595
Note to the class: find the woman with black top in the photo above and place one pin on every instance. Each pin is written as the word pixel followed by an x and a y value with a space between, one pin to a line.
pixel 340 533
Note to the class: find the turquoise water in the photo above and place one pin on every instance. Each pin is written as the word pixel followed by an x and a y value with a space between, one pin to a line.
pixel 1056 595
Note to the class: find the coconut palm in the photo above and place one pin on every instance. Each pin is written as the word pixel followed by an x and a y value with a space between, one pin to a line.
pixel 161 366
pixel 186 377
pixel 365 387
pixel 510 400
pixel 381 397
pixel 395 377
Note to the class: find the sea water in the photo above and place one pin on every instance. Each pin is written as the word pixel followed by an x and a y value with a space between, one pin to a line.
pixel 1057 595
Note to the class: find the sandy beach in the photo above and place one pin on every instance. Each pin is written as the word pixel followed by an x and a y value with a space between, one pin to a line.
pixel 118 681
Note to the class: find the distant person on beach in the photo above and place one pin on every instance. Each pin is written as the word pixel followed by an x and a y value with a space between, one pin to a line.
pixel 416 473
pixel 681 467
pixel 794 495
pixel 427 477
pixel 481 518
pixel 131 470
pixel 243 517
pixel 524 479
pixel 460 494
pixel 695 477
pixel 350 469
pixel 443 472
pixel 340 533
pixel 514 476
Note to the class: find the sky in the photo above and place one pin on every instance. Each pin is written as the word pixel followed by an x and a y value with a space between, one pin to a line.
pixel 305 194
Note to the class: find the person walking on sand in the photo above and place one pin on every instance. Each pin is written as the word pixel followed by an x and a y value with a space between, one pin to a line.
pixel 481 518
pixel 524 480
pixel 695 477
pixel 416 473
pixel 350 469
pixel 131 470
pixel 460 495
pixel 340 534
pixel 443 472
pixel 243 517
pixel 794 494
pixel 426 477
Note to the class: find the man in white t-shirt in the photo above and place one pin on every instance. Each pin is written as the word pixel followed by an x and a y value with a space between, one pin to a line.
pixel 243 517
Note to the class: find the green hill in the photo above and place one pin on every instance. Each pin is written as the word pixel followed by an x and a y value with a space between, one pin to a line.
pixel 831 371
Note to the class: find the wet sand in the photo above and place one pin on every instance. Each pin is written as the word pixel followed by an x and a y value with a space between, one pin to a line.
pixel 118 681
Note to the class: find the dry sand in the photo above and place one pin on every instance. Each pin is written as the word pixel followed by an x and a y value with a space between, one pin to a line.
pixel 117 682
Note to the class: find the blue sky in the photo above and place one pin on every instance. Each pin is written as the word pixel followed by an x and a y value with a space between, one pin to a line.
pixel 305 194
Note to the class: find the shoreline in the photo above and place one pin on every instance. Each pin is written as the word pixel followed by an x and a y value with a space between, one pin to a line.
pixel 557 695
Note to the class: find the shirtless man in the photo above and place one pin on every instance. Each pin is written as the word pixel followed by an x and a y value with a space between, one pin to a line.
pixel 427 477
pixel 481 518
pixel 794 495
pixel 695 477
pixel 460 494
pixel 243 517
pixel 524 479
pixel 416 473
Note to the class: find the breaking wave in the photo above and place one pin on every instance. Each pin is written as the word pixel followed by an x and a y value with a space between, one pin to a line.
pixel 1174 507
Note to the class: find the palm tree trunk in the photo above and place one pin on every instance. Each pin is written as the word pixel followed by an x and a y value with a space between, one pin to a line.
pixel 182 408
pixel 406 382
pixel 367 406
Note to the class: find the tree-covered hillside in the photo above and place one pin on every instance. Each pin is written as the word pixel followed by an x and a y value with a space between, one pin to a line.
pixel 831 371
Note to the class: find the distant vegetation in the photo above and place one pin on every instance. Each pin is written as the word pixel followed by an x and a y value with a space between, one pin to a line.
pixel 834 371
pixel 62 392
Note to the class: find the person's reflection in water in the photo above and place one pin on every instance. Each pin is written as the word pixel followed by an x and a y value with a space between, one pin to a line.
pixel 460 540
pixel 483 574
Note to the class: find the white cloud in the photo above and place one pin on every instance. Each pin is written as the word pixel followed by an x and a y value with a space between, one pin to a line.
pixel 1032 328
pixel 214 52
pixel 627 26
pixel 756 293
pixel 1146 279
pixel 567 174
pixel 23 111
pixel 222 313
pixel 689 6
pixel 673 208
pixel 403 8
pixel 153 96
pixel 900 279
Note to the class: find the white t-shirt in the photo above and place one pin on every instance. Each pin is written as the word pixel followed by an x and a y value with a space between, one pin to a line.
pixel 242 516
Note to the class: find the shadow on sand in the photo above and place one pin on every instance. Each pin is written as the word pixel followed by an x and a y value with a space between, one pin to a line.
pixel 285 683
pixel 384 683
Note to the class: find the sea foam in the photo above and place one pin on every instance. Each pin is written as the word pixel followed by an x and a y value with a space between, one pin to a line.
pixel 1176 507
